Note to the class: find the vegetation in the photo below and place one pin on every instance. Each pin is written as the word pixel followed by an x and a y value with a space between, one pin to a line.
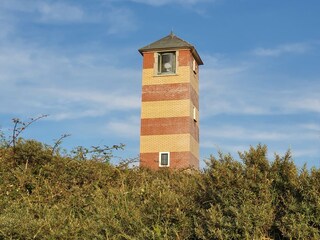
pixel 45 194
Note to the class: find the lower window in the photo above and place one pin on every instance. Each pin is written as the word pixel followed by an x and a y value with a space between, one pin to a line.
pixel 164 159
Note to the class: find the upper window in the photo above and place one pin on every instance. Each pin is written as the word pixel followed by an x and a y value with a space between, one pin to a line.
pixel 194 66
pixel 166 62
pixel 164 159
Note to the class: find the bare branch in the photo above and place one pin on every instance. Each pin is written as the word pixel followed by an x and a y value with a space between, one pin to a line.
pixel 59 141
pixel 20 126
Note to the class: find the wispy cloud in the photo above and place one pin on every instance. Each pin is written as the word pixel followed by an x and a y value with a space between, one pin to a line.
pixel 165 2
pixel 36 80
pixel 121 20
pixel 311 127
pixel 128 127
pixel 91 103
pixel 243 86
pixel 308 104
pixel 267 133
pixel 59 12
pixel 117 19
pixel 45 11
pixel 291 48
pixel 279 138
pixel 225 88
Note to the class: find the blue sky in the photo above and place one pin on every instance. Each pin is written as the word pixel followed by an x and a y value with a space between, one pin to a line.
pixel 78 62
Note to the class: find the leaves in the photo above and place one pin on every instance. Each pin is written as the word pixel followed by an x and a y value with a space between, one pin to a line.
pixel 78 196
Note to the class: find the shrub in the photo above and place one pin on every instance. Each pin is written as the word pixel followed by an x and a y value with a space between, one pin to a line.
pixel 65 197
pixel 31 152
pixel 236 199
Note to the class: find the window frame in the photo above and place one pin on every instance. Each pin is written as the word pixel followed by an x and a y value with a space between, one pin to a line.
pixel 160 157
pixel 194 66
pixel 195 115
pixel 173 61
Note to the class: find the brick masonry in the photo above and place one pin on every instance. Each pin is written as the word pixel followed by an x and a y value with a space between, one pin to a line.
pixel 165 126
pixel 151 160
pixel 162 109
pixel 173 91
pixel 167 121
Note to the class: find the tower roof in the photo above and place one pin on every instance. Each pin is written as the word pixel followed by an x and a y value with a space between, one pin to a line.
pixel 171 42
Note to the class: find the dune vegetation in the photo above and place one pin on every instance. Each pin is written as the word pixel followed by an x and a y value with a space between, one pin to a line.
pixel 47 193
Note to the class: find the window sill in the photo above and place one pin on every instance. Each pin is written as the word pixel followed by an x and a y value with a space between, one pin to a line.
pixel 165 74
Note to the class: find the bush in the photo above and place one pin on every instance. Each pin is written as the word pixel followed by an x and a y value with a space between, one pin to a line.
pixel 236 199
pixel 31 152
pixel 65 197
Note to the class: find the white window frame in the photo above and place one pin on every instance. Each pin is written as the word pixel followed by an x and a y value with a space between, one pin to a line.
pixel 160 154
pixel 194 66
pixel 195 114
pixel 173 63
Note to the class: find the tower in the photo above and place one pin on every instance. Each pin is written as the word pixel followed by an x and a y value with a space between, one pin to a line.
pixel 169 135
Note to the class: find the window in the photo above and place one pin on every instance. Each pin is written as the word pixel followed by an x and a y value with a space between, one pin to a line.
pixel 195 118
pixel 194 66
pixel 166 62
pixel 164 159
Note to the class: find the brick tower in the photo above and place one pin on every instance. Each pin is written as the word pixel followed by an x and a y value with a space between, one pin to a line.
pixel 169 135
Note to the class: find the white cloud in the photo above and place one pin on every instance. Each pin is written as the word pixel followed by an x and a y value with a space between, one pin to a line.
pixel 244 132
pixel 45 11
pixel 90 103
pixel 166 2
pixel 225 89
pixel 303 152
pixel 311 126
pixel 66 86
pixel 291 48
pixel 279 138
pixel 246 87
pixel 128 127
pixel 62 104
pixel 306 104
pixel 237 89
pixel 120 20
pixel 59 12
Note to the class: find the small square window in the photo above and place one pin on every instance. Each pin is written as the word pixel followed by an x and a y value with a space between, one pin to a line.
pixel 166 62
pixel 164 159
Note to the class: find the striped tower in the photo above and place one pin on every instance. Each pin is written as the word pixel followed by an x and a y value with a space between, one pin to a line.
pixel 169 134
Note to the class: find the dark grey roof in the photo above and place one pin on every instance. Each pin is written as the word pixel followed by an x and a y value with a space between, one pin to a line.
pixel 171 42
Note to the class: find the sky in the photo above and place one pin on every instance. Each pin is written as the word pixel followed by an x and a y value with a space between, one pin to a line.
pixel 78 62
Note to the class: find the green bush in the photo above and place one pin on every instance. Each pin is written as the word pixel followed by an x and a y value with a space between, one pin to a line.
pixel 236 199
pixel 64 197
pixel 31 152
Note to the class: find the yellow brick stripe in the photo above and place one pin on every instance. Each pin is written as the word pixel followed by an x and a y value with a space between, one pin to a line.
pixel 169 143
pixel 184 75
pixel 195 82
pixel 164 109
pixel 150 78
pixel 194 147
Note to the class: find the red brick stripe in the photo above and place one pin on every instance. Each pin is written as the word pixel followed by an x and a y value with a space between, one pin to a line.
pixel 174 91
pixel 177 160
pixel 174 125
pixel 160 92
